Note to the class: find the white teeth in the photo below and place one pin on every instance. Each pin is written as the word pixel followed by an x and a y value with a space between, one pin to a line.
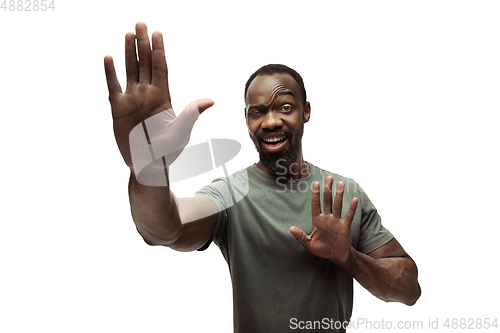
pixel 273 139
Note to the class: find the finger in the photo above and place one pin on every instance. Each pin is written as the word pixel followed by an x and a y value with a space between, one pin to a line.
pixel 315 202
pixel 160 70
pixel 204 104
pixel 327 196
pixel 337 203
pixel 113 84
pixel 301 236
pixel 352 210
pixel 144 50
pixel 131 64
pixel 185 121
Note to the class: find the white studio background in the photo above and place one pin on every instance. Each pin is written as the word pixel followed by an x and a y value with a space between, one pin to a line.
pixel 403 97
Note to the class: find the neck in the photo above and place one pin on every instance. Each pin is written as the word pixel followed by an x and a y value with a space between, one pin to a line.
pixel 297 170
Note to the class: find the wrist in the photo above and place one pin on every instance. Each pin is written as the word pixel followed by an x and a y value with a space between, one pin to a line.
pixel 351 263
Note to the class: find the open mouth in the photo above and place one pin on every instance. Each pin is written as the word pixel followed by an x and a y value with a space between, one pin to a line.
pixel 274 142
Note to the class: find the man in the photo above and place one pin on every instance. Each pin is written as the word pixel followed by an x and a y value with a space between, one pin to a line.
pixel 283 278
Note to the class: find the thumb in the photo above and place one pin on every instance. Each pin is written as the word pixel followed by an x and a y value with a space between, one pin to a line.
pixel 190 114
pixel 301 236
pixel 204 104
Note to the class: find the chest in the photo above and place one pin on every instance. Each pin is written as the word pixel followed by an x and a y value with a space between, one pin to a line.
pixel 259 225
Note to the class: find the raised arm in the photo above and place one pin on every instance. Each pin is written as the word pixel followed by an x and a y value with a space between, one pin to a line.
pixel 388 272
pixel 160 222
pixel 153 205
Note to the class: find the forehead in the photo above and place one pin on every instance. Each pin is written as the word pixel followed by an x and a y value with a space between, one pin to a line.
pixel 263 87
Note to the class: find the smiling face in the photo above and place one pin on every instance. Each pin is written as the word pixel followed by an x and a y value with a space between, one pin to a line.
pixel 275 117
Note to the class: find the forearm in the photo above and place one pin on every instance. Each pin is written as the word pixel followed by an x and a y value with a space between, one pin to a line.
pixel 390 279
pixel 154 212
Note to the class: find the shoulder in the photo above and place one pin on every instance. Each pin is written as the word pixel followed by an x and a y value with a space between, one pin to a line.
pixel 222 190
pixel 351 186
pixel 236 180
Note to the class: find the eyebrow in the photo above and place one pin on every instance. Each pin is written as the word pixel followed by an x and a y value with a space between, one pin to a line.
pixel 279 93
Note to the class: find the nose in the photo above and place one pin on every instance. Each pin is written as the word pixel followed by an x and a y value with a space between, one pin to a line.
pixel 271 120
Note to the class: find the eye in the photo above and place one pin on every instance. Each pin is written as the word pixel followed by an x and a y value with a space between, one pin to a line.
pixel 254 113
pixel 286 108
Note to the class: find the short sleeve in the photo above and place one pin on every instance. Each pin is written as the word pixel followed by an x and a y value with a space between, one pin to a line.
pixel 218 191
pixel 372 233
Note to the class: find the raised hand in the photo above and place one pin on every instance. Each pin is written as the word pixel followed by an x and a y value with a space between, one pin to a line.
pixel 146 95
pixel 331 234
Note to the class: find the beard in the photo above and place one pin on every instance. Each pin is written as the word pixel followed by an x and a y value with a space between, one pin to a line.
pixel 275 162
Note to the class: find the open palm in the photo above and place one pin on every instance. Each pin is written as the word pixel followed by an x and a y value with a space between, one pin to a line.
pixel 147 94
pixel 331 234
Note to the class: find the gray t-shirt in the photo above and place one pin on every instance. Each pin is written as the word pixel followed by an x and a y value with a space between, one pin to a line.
pixel 277 283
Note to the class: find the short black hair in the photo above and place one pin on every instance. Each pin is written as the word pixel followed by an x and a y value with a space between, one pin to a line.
pixel 278 69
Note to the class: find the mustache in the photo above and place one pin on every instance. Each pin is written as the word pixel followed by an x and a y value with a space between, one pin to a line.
pixel 266 131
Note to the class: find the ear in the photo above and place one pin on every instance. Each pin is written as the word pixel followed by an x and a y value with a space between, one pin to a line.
pixel 307 112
